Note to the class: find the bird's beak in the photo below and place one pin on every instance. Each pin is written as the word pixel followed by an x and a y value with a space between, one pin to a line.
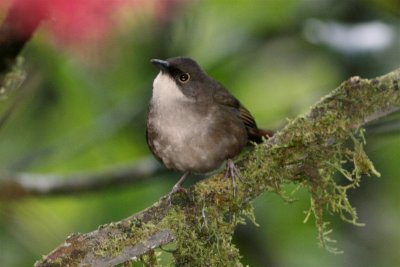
pixel 162 64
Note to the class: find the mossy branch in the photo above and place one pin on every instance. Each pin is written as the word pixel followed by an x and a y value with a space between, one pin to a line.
pixel 307 152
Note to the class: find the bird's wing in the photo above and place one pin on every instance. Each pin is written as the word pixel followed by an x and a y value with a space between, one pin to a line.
pixel 247 118
pixel 223 97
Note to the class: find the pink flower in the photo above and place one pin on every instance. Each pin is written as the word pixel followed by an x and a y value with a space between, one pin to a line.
pixel 80 21
pixel 74 22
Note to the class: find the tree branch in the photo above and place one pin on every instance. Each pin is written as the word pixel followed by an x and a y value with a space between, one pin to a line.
pixel 308 151
pixel 24 184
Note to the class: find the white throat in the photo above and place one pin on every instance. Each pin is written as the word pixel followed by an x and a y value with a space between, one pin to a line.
pixel 165 90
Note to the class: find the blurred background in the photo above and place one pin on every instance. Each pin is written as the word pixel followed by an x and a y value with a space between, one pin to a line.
pixel 82 109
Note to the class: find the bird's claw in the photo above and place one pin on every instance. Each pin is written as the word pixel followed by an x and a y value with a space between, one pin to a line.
pixel 233 172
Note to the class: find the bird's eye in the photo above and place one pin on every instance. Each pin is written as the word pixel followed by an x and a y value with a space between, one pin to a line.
pixel 184 77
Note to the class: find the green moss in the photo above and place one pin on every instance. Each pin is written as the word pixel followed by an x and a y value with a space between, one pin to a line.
pixel 204 235
pixel 150 259
pixel 311 149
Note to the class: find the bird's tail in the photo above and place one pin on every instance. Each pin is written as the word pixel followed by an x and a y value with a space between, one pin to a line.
pixel 258 135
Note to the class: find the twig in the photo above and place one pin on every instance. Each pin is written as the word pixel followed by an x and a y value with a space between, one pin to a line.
pixel 23 184
pixel 22 20
pixel 16 30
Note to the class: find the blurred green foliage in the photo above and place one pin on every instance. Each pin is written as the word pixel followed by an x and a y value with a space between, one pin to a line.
pixel 83 108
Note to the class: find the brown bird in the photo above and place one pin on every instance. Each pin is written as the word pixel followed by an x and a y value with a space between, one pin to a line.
pixel 194 124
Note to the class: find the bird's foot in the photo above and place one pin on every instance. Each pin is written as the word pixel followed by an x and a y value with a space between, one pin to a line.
pixel 233 172
pixel 178 186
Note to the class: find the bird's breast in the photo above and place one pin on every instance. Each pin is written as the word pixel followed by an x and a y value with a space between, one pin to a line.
pixel 191 137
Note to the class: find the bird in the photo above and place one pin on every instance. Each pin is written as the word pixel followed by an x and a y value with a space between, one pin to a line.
pixel 194 124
